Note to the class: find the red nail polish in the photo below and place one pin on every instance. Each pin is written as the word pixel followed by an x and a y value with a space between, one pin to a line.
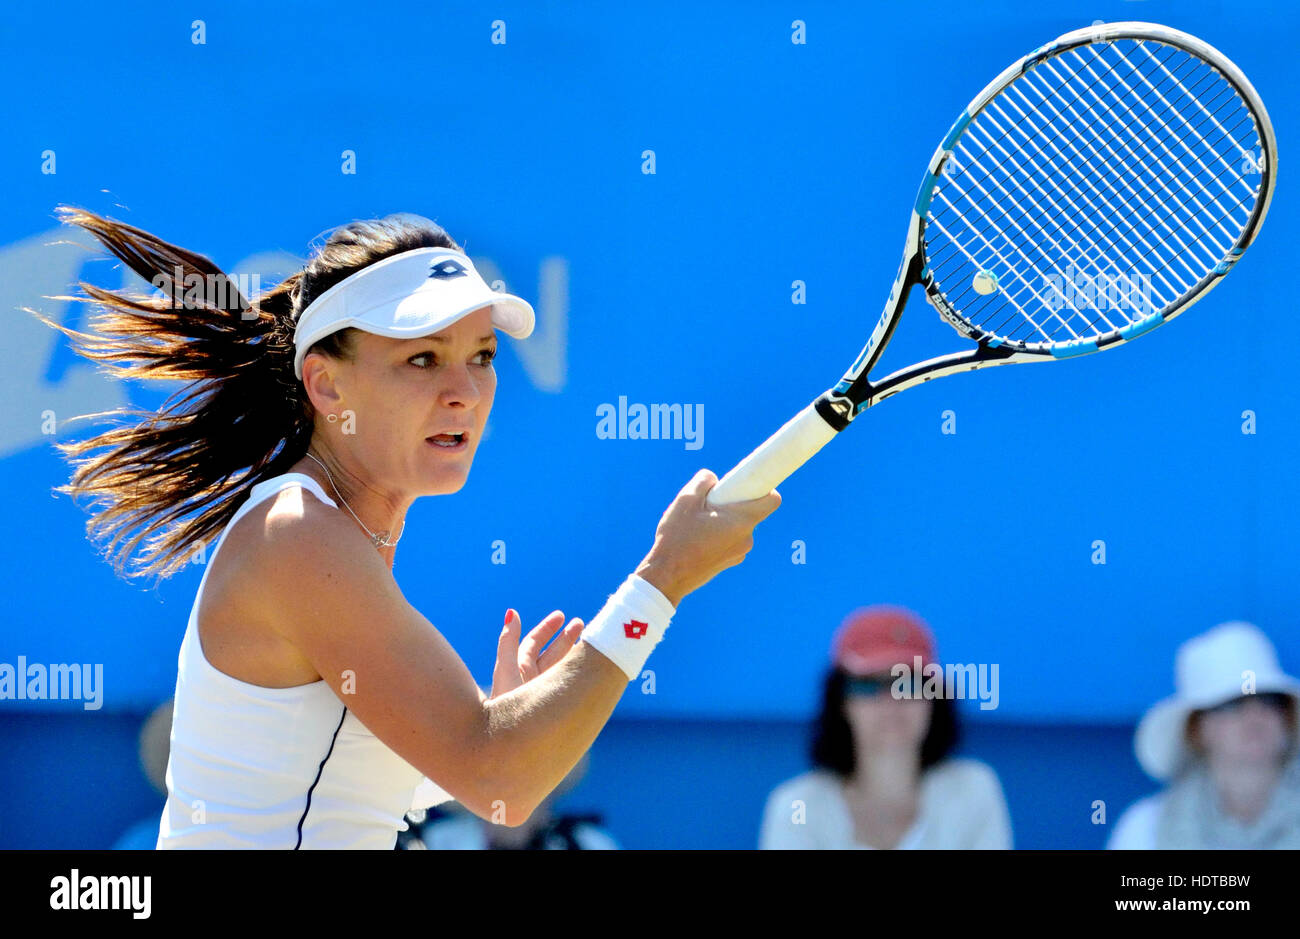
pixel 508 614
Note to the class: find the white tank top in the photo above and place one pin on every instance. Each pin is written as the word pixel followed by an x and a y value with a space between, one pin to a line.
pixel 254 767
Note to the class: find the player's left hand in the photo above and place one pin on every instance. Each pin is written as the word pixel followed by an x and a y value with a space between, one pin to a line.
pixel 518 662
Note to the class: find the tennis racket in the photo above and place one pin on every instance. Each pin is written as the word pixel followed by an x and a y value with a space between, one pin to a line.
pixel 1093 191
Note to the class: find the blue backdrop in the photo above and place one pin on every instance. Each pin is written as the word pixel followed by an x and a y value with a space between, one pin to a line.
pixel 774 162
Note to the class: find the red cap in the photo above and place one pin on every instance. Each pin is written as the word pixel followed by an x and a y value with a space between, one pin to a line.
pixel 876 638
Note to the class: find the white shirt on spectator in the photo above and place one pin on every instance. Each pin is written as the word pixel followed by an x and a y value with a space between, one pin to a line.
pixel 961 807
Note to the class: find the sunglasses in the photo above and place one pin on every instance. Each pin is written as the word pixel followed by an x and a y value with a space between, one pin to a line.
pixel 1274 700
pixel 867 685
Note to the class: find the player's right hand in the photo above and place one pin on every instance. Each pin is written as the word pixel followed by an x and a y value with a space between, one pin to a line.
pixel 695 541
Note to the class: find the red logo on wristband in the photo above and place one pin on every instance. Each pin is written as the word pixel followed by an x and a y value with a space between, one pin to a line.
pixel 635 629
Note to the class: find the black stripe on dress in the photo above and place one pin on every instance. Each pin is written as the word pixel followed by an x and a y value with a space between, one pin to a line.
pixel 319 771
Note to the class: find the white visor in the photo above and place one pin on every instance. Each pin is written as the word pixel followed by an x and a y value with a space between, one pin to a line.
pixel 408 295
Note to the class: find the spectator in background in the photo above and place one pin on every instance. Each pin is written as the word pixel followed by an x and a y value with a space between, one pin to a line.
pixel 883 777
pixel 443 828
pixel 1226 746
pixel 154 748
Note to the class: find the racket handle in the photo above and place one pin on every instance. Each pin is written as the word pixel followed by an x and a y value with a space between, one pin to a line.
pixel 779 456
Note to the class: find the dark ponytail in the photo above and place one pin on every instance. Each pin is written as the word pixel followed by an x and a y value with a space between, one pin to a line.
pixel 175 478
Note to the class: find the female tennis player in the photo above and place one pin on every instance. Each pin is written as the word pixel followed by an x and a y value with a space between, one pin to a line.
pixel 314 705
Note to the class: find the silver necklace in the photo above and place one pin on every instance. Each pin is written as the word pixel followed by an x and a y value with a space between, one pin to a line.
pixel 378 539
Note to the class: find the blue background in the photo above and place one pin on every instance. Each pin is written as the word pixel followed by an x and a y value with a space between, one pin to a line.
pixel 776 162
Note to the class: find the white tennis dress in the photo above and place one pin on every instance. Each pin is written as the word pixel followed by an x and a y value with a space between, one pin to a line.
pixel 255 767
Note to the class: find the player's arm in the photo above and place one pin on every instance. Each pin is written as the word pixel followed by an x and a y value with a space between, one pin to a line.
pixel 334 599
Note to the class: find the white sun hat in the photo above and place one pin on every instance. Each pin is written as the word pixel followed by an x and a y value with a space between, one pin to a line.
pixel 1210 669
pixel 408 295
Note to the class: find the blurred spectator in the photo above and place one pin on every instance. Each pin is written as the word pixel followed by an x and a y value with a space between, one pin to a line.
pixel 451 828
pixel 154 748
pixel 1226 746
pixel 882 776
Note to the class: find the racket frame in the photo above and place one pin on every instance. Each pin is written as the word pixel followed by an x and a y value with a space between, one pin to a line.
pixel 854 393
pixel 831 412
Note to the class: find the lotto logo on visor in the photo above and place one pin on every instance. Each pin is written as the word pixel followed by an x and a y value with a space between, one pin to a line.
pixel 415 293
pixel 447 269
pixel 635 629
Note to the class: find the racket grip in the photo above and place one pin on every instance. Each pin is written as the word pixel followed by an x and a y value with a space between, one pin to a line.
pixel 778 456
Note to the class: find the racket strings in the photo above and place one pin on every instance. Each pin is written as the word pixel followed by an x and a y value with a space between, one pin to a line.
pixel 1109 235
pixel 1146 227
pixel 940 260
pixel 1210 150
pixel 968 292
pixel 1079 251
pixel 1174 162
pixel 1173 168
pixel 1058 112
pixel 1174 165
pixel 1110 175
pixel 1104 234
pixel 1103 162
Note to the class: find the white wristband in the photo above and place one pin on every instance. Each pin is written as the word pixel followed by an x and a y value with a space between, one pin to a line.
pixel 630 625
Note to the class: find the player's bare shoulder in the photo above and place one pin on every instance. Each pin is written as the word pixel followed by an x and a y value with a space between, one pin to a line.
pixel 302 550
pixel 275 572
